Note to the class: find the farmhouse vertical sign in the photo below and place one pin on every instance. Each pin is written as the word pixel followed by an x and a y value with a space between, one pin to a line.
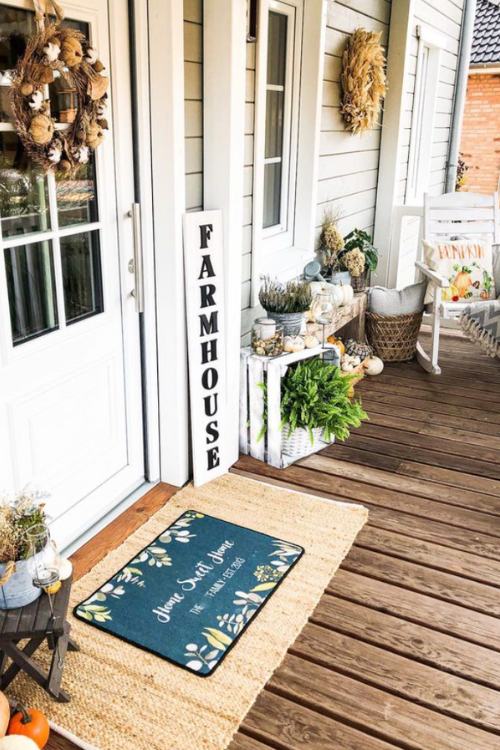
pixel 203 262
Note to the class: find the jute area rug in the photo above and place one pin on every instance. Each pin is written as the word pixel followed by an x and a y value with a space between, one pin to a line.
pixel 124 698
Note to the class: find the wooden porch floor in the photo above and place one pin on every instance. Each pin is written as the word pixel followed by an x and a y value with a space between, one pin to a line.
pixel 403 650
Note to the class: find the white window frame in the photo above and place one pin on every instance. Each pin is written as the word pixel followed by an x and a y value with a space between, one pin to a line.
pixel 284 253
pixel 281 235
pixel 430 44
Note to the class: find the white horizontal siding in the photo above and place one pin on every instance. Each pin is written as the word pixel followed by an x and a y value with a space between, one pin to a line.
pixel 348 164
pixel 193 102
pixel 248 187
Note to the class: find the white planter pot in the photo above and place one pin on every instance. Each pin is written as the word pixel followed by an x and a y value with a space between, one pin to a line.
pixel 299 442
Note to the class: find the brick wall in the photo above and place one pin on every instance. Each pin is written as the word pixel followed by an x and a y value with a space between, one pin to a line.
pixel 480 144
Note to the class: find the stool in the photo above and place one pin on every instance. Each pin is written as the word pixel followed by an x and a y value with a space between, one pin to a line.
pixel 36 623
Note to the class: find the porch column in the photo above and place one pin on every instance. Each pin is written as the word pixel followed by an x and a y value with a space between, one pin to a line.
pixel 224 44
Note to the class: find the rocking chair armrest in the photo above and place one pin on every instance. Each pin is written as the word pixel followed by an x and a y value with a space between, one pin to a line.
pixel 436 279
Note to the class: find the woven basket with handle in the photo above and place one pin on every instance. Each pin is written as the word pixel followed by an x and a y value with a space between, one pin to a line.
pixel 393 337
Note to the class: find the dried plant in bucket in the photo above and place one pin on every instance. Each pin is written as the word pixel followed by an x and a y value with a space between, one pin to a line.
pixel 362 80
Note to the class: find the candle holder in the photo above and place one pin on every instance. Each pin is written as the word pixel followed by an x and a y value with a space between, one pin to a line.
pixel 267 338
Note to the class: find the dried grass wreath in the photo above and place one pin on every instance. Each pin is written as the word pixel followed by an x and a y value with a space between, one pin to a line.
pixel 362 80
pixel 56 52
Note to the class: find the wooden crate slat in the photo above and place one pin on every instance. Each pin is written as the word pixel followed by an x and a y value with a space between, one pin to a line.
pixel 256 402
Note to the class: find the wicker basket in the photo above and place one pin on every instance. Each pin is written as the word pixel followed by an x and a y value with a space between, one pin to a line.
pixel 299 444
pixel 393 337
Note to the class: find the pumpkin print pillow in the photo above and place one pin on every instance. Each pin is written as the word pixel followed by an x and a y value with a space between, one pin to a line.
pixel 468 266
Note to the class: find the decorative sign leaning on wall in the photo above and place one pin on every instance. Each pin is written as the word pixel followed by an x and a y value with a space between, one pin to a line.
pixel 203 263
pixel 62 54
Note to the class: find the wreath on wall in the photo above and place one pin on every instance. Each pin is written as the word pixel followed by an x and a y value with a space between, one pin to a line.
pixel 363 80
pixel 59 53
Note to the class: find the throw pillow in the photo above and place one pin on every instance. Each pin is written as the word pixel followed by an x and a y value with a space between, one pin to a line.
pixel 397 301
pixel 467 264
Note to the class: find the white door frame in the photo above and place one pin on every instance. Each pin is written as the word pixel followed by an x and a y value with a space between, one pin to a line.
pixel 158 27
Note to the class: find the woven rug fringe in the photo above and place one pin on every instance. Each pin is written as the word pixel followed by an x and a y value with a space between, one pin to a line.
pixel 489 345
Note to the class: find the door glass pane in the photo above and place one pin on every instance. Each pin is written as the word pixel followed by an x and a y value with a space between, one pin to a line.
pixel 274 124
pixel 276 53
pixel 31 290
pixel 15 26
pixel 81 270
pixel 77 198
pixel 24 202
pixel 272 194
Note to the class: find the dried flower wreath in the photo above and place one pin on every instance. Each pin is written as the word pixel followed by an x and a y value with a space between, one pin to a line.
pixel 362 80
pixel 54 52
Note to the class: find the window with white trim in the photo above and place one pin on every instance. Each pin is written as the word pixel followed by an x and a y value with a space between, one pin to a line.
pixel 277 118
pixel 430 43
pixel 290 49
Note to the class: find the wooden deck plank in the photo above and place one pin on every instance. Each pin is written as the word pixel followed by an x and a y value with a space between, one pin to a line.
pixel 426 451
pixel 403 677
pixel 435 395
pixel 348 466
pixel 415 523
pixel 408 436
pixel 420 608
pixel 416 577
pixel 395 719
pixel 297 727
pixel 431 555
pixel 452 385
pixel 440 650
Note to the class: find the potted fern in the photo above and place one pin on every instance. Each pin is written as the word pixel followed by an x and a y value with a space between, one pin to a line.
pixel 286 303
pixel 316 407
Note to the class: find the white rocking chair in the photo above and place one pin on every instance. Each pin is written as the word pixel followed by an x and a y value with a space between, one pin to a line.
pixel 452 216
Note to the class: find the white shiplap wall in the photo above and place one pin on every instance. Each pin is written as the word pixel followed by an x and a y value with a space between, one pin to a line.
pixel 446 17
pixel 193 102
pixel 348 164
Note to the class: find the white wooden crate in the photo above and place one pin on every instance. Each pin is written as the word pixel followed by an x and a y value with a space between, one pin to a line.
pixel 254 371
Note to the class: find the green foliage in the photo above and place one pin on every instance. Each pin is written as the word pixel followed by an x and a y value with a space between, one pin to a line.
pixel 363 241
pixel 292 297
pixel 314 393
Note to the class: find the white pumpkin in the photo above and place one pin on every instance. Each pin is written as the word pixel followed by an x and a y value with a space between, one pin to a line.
pixel 293 344
pixel 310 341
pixel 17 742
pixel 342 294
pixel 373 366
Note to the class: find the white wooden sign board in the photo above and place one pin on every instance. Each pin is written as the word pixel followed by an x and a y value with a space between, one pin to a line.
pixel 204 281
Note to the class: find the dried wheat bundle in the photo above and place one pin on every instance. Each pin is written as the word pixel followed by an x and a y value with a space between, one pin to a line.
pixel 363 80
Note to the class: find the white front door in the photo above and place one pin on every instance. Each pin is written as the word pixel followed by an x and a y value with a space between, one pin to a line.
pixel 70 365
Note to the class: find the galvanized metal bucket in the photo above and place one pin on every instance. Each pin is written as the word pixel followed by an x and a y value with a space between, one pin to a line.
pixel 18 590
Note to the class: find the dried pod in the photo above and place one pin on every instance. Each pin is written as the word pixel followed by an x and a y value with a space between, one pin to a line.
pixel 97 87
pixel 95 135
pixel 64 166
pixel 41 129
pixel 27 88
pixel 99 67
pixel 103 123
pixel 71 52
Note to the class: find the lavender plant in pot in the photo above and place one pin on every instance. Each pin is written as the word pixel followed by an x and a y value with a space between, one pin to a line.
pixel 23 547
pixel 286 303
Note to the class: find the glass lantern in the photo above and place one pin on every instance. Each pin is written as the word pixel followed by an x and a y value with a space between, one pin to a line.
pixel 267 338
pixel 67 105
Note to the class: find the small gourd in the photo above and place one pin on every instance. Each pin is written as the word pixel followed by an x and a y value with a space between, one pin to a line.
pixel 17 742
pixel 310 341
pixel 293 344
pixel 373 366
pixel 94 135
pixel 4 714
pixel 337 342
pixel 342 294
pixel 71 52
pixel 41 129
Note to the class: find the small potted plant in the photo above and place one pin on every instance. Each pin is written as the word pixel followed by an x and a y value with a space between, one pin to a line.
pixel 316 407
pixel 359 257
pixel 286 303
pixel 331 249
pixel 22 547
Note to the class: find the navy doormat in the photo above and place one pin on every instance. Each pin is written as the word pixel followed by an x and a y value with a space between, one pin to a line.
pixel 190 594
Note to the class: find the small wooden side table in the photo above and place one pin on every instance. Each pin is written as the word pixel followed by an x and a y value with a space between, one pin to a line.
pixel 353 313
pixel 36 623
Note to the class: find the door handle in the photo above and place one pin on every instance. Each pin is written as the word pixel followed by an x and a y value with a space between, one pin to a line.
pixel 136 265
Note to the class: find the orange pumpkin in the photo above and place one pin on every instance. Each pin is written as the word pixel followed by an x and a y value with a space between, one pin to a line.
pixel 30 722
pixel 338 343
pixel 4 714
